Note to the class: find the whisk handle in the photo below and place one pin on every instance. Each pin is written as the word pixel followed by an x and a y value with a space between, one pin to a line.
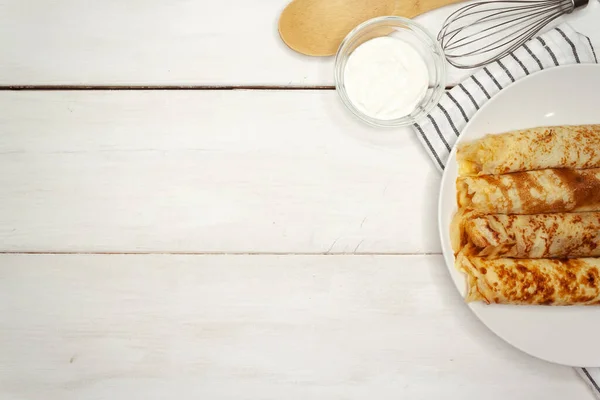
pixel 579 3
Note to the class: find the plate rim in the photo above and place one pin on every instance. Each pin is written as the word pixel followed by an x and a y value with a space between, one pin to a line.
pixel 443 230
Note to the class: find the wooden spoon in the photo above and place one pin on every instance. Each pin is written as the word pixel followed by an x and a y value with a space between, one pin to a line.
pixel 317 27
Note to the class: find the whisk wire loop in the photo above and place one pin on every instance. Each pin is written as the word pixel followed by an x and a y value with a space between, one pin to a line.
pixel 492 30
pixel 483 32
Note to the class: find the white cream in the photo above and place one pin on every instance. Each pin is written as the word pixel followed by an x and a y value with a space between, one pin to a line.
pixel 385 78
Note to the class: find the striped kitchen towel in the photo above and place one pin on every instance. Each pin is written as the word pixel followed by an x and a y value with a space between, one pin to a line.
pixel 439 130
pixel 592 377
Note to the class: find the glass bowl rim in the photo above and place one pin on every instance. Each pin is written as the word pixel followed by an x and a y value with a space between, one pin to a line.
pixel 438 61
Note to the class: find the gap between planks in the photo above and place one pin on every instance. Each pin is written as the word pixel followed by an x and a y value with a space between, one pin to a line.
pixel 208 253
pixel 51 88
pixel 155 87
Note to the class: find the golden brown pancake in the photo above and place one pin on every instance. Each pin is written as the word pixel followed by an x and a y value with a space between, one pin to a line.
pixel 569 146
pixel 532 192
pixel 556 282
pixel 529 236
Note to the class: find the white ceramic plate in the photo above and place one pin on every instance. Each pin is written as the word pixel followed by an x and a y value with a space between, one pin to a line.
pixel 559 96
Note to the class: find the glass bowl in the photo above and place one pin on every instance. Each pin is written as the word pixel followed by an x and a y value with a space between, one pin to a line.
pixel 415 35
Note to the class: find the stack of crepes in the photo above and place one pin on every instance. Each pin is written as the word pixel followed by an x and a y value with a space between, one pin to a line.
pixel 528 226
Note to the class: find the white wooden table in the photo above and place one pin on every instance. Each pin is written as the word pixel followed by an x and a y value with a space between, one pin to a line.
pixel 229 231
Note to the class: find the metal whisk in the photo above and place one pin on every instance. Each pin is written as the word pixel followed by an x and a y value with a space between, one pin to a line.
pixel 484 32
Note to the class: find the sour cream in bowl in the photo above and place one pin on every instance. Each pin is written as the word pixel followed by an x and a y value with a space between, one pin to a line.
pixel 389 71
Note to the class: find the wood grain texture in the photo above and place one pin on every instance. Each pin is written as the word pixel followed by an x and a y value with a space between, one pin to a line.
pixel 253 327
pixel 208 171
pixel 169 42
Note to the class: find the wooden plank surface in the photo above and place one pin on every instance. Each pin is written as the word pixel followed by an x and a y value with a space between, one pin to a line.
pixel 79 327
pixel 220 172
pixel 169 42
pixel 208 171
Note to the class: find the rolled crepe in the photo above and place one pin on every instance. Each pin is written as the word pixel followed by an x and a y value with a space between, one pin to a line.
pixel 530 236
pixel 574 146
pixel 532 192
pixel 541 281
